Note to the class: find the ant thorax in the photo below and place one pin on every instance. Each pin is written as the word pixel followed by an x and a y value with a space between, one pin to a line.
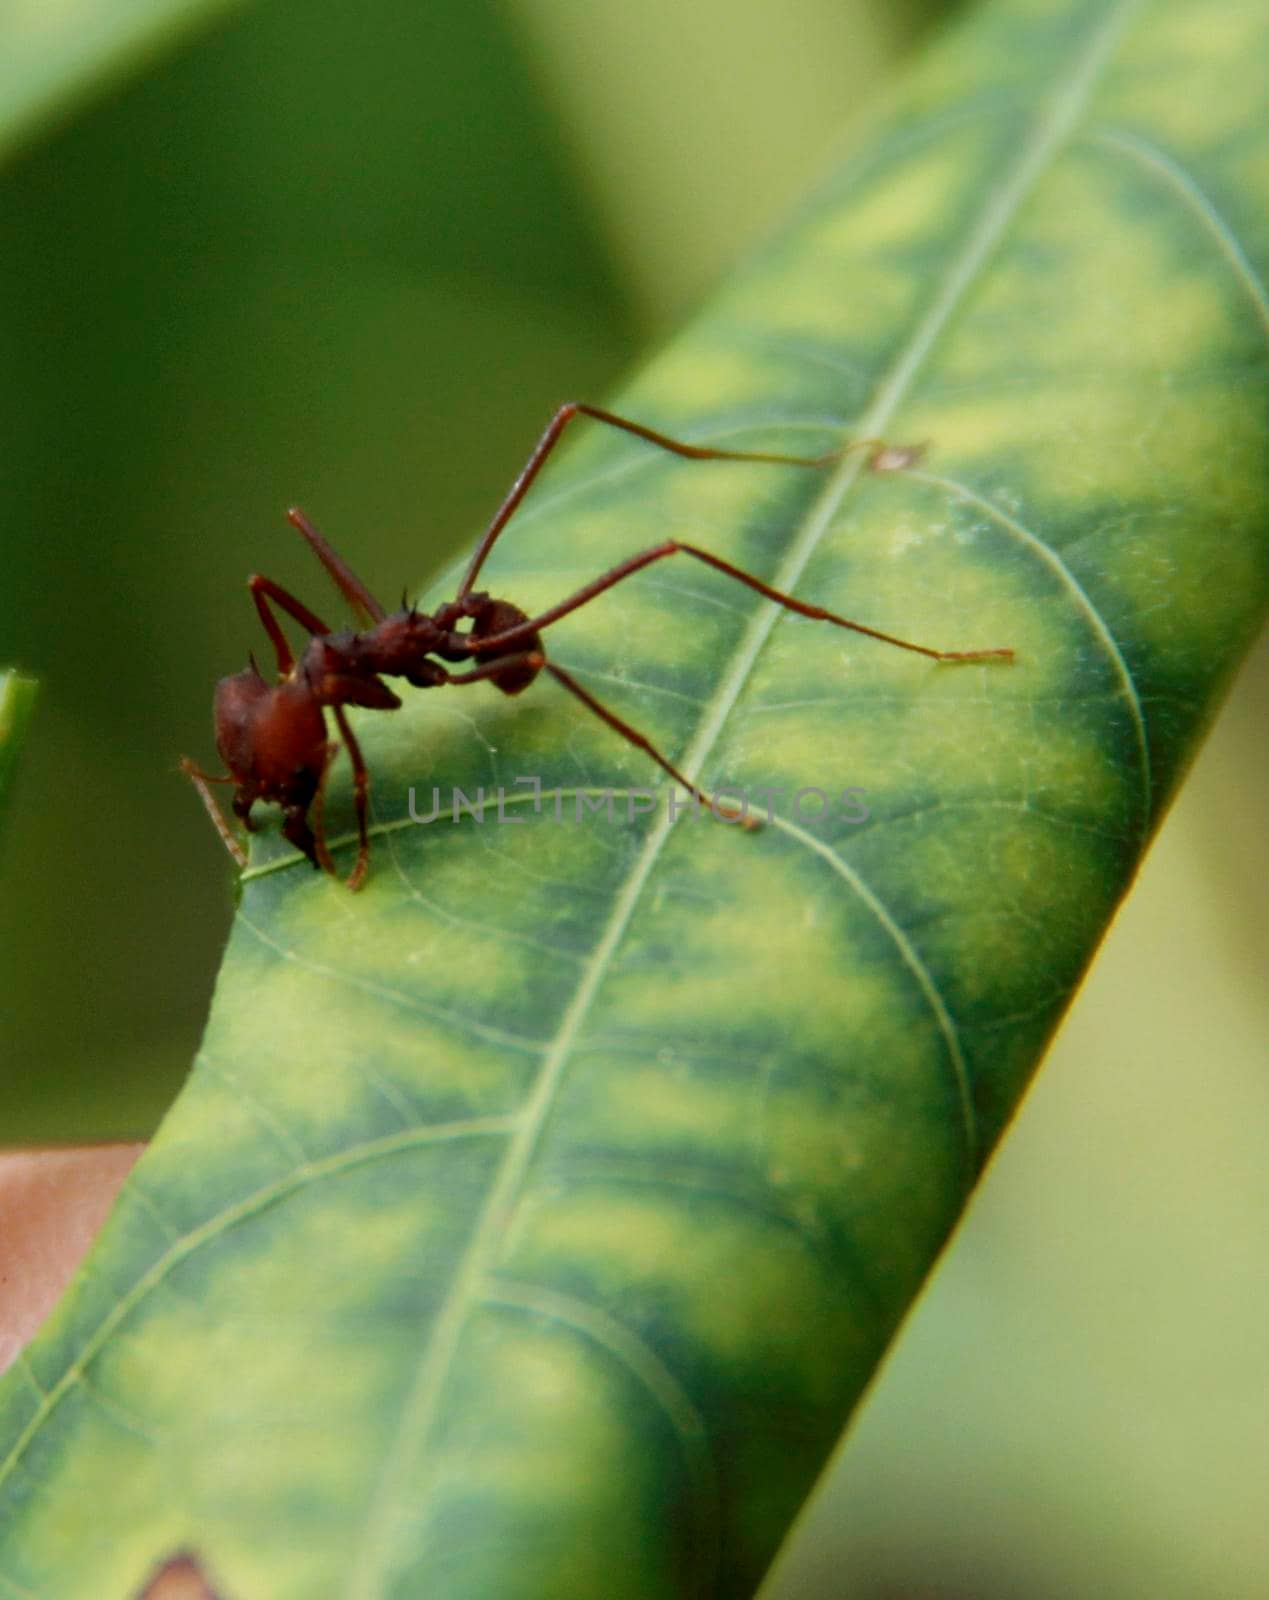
pixel 344 668
pixel 399 643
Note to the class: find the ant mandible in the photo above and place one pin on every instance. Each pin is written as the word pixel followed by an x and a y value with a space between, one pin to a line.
pixel 273 736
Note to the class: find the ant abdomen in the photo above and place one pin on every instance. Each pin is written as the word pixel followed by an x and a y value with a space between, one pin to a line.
pixel 270 736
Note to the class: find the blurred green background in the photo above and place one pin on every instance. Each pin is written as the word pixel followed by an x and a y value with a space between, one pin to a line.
pixel 353 257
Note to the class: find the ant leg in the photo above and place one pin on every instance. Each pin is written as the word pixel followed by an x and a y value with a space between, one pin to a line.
pixel 361 784
pixel 200 780
pixel 671 547
pixel 346 580
pixel 320 854
pixel 882 457
pixel 536 660
pixel 642 742
pixel 262 591
pixel 493 669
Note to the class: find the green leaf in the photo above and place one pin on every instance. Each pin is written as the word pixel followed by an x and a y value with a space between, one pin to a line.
pixel 533 1220
pixel 53 57
pixel 17 700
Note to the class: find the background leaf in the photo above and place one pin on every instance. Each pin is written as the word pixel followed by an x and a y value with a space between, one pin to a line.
pixel 679 193
pixel 17 700
pixel 334 260
pixel 56 56
pixel 1070 756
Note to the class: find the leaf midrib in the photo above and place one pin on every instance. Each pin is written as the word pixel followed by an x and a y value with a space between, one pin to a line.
pixel 370 1567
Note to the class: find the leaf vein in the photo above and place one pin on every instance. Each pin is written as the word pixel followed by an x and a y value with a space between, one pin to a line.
pixel 911 959
pixel 430 907
pixel 407 1002
pixel 1084 602
pixel 638 1357
pixel 228 1217
pixel 266 1118
pixel 1187 187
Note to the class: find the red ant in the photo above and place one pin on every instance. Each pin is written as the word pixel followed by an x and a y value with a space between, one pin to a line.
pixel 273 736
